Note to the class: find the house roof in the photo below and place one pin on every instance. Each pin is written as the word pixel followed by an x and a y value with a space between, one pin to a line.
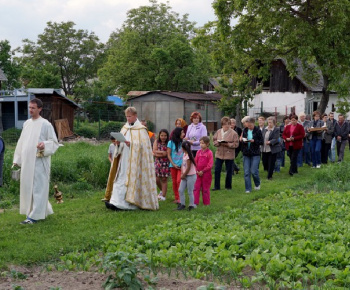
pixel 116 100
pixel 49 91
pixel 196 96
pixel 315 86
pixel 2 76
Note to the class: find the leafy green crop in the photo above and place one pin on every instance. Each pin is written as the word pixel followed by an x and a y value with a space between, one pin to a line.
pixel 289 241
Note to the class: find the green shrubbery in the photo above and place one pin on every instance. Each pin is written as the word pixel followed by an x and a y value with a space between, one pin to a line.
pixel 91 130
pixel 11 136
pixel 76 167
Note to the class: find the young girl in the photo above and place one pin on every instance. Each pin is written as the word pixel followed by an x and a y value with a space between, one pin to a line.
pixel 161 163
pixel 175 155
pixel 204 160
pixel 188 176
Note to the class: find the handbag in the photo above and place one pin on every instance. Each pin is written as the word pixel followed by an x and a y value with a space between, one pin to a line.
pixel 15 173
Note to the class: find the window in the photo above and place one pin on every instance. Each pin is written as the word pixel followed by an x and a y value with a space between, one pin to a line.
pixel 199 106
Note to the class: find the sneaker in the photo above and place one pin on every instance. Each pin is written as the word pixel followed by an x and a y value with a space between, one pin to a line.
pixel 247 191
pixel 313 166
pixel 318 166
pixel 195 206
pixel 28 222
pixel 161 198
pixel 257 187
pixel 181 207
pixel 191 208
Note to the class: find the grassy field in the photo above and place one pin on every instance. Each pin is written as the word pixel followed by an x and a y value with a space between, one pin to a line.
pixel 82 223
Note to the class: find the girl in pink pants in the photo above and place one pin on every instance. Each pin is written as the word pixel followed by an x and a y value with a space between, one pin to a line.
pixel 204 160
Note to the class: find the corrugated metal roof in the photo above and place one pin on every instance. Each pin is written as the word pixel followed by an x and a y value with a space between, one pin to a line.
pixel 180 95
pixel 2 76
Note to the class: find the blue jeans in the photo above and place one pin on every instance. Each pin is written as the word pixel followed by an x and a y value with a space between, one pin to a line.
pixel 251 167
pixel 304 154
pixel 331 153
pixel 315 145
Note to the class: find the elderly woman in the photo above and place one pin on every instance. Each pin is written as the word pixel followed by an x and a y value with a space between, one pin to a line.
pixel 271 146
pixel 226 140
pixel 252 140
pixel 316 139
pixel 195 131
pixel 179 123
pixel 293 136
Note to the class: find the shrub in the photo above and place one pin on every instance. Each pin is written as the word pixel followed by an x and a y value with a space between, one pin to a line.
pixel 11 136
pixel 109 127
pixel 86 132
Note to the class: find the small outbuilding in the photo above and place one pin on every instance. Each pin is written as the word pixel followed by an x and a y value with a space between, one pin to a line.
pixel 162 108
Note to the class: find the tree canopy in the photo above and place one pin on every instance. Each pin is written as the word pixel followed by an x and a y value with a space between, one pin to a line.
pixel 153 51
pixel 9 65
pixel 62 56
pixel 314 31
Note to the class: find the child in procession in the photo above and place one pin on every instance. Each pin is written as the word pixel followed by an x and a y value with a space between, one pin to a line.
pixel 161 162
pixel 204 162
pixel 175 155
pixel 188 176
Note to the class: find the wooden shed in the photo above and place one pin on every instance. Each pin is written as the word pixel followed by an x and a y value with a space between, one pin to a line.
pixel 56 105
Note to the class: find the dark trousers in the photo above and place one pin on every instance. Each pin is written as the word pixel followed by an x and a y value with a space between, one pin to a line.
pixel 218 168
pixel 269 161
pixel 340 149
pixel 324 151
pixel 293 155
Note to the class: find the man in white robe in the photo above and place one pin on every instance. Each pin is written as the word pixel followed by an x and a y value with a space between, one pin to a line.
pixel 132 181
pixel 33 152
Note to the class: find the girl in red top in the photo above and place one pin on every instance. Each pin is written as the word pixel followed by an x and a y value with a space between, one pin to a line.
pixel 204 160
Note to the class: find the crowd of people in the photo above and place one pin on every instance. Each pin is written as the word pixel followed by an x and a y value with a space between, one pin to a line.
pixel 187 158
pixel 142 161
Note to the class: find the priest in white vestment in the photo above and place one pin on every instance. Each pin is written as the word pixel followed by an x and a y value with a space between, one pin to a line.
pixel 33 152
pixel 132 181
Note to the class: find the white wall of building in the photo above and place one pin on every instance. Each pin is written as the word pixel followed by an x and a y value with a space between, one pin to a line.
pixel 281 102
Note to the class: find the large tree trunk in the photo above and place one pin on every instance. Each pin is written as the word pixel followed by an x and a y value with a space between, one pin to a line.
pixel 325 95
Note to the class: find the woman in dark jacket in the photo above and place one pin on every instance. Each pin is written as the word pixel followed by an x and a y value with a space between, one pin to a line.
pixel 252 140
pixel 293 136
pixel 271 146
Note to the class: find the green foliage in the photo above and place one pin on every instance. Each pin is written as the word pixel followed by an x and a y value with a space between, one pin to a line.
pixel 315 32
pixel 17 275
pixel 11 136
pixel 126 267
pixel 86 132
pixel 152 51
pixel 9 65
pixel 284 238
pixel 61 54
pixel 110 127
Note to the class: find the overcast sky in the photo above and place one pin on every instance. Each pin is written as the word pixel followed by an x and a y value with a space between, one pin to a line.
pixel 20 19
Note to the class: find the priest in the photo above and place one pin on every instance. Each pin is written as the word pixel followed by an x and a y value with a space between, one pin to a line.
pixel 132 181
pixel 33 152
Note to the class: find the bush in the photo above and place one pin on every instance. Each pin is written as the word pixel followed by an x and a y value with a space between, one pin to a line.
pixel 11 136
pixel 86 132
pixel 109 127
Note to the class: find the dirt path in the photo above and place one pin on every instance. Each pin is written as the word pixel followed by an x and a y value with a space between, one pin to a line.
pixel 39 279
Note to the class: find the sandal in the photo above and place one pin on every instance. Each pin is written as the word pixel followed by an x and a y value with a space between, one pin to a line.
pixel 28 222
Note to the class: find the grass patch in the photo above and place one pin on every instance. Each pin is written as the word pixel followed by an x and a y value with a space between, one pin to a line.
pixel 233 225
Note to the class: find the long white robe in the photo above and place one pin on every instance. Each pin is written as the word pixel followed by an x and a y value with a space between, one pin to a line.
pixel 35 171
pixel 134 185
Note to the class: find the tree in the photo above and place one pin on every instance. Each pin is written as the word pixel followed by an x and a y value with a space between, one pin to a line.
pixel 153 51
pixel 9 65
pixel 316 32
pixel 62 53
